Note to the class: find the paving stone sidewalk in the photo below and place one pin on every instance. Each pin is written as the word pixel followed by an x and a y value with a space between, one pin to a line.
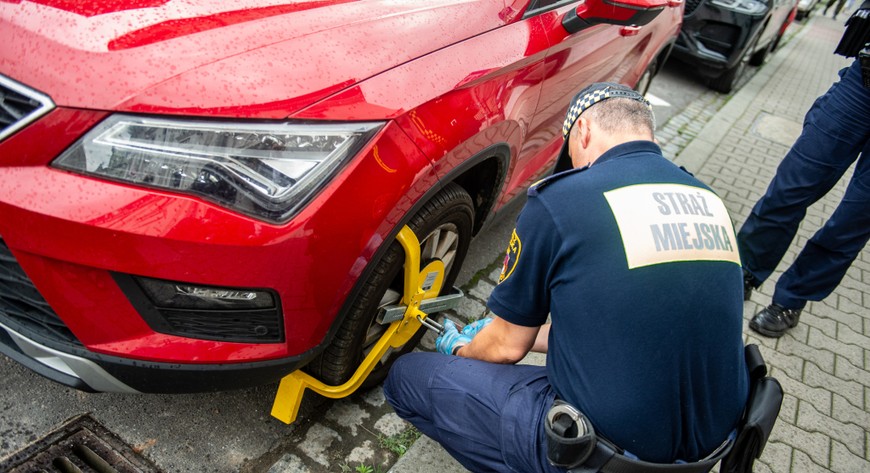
pixel 823 364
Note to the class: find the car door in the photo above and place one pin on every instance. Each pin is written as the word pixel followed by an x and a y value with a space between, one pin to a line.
pixel 601 52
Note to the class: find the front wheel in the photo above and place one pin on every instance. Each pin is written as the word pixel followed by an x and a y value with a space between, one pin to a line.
pixel 763 55
pixel 443 226
pixel 728 81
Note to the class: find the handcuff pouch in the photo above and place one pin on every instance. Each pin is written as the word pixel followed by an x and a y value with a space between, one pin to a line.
pixel 570 436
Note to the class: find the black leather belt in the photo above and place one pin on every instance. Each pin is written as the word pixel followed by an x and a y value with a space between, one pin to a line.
pixel 606 459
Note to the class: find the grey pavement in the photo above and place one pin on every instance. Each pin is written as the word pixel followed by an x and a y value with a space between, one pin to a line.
pixel 734 144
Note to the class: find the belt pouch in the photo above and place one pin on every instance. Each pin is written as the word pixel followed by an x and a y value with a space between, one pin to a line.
pixel 762 409
pixel 570 436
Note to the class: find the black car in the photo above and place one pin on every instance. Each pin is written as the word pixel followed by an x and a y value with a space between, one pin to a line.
pixel 720 37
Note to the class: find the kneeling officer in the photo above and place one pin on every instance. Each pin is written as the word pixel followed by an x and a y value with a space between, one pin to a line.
pixel 636 263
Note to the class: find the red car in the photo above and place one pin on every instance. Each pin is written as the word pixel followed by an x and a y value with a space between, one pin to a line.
pixel 200 196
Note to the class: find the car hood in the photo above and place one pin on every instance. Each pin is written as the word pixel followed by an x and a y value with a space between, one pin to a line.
pixel 246 58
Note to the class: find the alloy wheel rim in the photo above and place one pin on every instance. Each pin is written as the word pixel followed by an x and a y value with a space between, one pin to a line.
pixel 441 243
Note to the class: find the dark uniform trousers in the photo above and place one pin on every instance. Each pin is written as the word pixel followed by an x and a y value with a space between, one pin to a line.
pixel 836 130
pixel 488 416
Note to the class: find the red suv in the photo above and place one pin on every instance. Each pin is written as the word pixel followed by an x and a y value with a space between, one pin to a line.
pixel 201 196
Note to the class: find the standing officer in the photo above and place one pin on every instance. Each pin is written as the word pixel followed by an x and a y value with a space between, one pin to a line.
pixel 835 135
pixel 636 262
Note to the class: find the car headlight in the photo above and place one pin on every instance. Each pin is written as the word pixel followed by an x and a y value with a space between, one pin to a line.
pixel 749 7
pixel 268 171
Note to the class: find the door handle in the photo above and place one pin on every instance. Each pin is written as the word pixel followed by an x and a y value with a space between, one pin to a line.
pixel 629 30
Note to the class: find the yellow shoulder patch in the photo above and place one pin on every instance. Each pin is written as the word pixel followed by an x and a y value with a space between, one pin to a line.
pixel 511 257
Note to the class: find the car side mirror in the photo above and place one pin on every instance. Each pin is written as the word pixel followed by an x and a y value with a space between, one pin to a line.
pixel 621 12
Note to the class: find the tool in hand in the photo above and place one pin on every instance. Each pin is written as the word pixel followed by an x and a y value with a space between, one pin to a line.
pixel 427 306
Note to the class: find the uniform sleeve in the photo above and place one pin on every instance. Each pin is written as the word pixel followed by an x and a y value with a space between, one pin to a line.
pixel 522 295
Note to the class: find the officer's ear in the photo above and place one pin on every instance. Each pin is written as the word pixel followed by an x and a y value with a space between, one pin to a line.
pixel 578 143
pixel 584 132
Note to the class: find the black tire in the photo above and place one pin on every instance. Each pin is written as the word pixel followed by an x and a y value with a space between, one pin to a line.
pixel 726 82
pixel 763 55
pixel 729 79
pixel 449 215
pixel 760 56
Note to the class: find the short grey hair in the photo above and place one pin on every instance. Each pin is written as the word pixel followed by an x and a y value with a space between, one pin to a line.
pixel 622 114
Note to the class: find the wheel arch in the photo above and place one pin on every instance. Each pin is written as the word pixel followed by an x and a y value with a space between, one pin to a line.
pixel 482 176
pixel 663 55
pixel 656 64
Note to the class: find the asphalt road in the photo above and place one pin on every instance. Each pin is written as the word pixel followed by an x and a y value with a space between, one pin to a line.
pixel 228 431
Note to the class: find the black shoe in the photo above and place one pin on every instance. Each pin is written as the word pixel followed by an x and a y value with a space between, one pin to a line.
pixel 774 320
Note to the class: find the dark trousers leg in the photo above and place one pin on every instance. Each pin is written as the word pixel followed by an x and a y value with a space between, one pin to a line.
pixel 835 130
pixel 823 262
pixel 487 416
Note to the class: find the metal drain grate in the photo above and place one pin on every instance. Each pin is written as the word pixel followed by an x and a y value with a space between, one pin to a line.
pixel 81 445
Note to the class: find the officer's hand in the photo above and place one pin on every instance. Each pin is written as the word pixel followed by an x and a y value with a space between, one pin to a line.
pixel 450 339
pixel 475 327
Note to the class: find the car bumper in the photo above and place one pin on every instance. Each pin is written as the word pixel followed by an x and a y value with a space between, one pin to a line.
pixel 91 372
pixel 70 236
pixel 714 38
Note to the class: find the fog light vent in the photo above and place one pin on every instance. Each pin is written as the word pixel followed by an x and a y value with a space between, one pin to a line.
pixel 206 312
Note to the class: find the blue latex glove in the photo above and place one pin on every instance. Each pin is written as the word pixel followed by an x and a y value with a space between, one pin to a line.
pixel 451 339
pixel 475 327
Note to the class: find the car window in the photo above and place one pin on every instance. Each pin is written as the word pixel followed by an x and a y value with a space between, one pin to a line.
pixel 540 6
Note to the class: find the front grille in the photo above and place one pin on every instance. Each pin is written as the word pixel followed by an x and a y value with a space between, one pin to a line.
pixel 252 326
pixel 691 5
pixel 23 309
pixel 19 106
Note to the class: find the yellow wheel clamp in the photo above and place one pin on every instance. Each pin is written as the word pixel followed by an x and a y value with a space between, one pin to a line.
pixel 420 298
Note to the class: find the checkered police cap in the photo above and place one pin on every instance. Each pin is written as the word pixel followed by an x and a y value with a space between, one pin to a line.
pixel 593 94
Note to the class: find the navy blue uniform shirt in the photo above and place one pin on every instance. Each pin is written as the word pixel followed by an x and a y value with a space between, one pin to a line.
pixel 636 262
